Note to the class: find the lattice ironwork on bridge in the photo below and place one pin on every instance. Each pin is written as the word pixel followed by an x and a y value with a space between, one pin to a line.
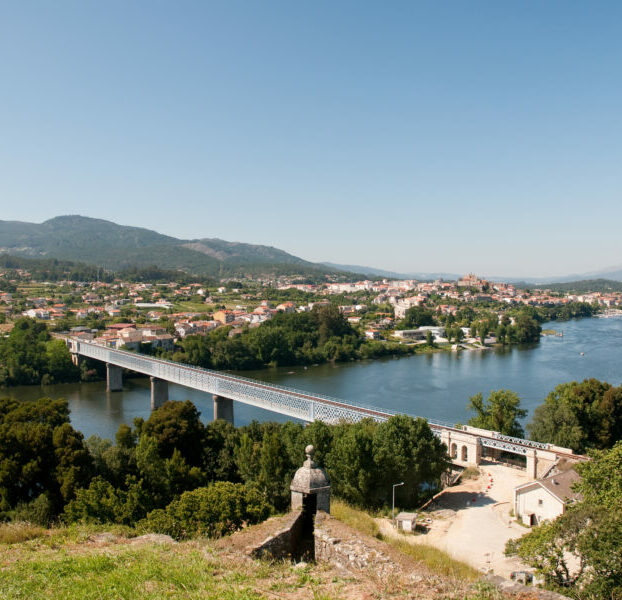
pixel 284 400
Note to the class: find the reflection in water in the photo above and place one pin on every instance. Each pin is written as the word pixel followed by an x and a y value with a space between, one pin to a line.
pixel 436 386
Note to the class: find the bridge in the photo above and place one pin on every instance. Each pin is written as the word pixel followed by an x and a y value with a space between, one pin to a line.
pixel 465 444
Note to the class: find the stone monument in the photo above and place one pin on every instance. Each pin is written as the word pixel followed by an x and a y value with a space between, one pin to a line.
pixel 310 486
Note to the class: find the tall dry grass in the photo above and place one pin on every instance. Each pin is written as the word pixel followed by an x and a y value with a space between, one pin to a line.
pixel 436 560
pixel 13 533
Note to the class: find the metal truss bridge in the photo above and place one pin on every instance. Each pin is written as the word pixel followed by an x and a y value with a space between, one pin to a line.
pixel 289 401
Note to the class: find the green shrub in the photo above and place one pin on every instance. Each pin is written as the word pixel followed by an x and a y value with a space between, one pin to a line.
pixel 211 511
pixel 39 511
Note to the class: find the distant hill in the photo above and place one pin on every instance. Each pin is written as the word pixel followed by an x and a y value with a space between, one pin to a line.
pixel 115 247
pixel 392 274
pixel 583 286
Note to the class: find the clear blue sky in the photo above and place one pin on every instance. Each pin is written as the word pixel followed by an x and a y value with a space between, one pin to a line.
pixel 454 136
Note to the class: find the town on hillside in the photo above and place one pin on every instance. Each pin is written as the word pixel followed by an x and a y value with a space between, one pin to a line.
pixel 470 312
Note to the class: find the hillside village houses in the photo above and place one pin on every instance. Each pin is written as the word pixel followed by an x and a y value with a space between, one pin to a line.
pixel 149 302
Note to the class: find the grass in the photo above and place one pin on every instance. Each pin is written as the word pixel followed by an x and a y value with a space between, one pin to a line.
pixel 355 518
pixel 133 573
pixel 436 560
pixel 12 533
pixel 66 563
pixel 470 473
pixel 150 572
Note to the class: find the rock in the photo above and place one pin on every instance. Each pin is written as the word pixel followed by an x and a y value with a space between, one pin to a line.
pixel 104 538
pixel 153 538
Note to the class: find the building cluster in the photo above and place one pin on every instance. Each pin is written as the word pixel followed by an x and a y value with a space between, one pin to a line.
pixel 378 304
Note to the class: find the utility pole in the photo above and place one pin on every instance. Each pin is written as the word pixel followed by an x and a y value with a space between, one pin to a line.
pixel 393 504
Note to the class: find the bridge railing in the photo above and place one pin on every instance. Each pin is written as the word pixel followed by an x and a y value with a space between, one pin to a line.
pixel 293 402
pixel 296 403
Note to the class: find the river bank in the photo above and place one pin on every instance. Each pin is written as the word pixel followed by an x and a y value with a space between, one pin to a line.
pixel 434 385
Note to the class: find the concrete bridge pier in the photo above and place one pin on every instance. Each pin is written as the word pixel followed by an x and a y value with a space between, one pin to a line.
pixel 159 392
pixel 532 464
pixel 223 408
pixel 114 378
pixel 75 359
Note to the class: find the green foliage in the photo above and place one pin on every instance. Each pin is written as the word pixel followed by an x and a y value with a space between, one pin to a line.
pixel 46 468
pixel 588 535
pixel 176 425
pixel 579 549
pixel 103 503
pixel 579 416
pixel 351 462
pixel 29 356
pixel 274 476
pixel 499 412
pixel 405 449
pixel 39 452
pixel 211 511
pixel 367 458
pixel 526 329
pixel 286 339
pixel 417 316
pixel 601 478
pixel 39 511
pixel 219 449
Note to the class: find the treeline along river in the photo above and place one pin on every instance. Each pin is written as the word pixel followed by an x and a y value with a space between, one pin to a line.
pixel 436 386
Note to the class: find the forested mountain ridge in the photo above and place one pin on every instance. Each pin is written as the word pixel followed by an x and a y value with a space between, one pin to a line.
pixel 114 246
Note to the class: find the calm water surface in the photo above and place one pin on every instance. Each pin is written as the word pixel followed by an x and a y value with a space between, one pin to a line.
pixel 436 386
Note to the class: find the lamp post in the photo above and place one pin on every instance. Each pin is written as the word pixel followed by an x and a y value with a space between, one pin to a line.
pixel 393 505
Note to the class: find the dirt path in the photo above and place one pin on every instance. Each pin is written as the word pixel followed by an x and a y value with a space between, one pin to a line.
pixel 471 521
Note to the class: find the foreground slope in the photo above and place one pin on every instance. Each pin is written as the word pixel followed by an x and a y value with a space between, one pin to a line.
pixel 86 562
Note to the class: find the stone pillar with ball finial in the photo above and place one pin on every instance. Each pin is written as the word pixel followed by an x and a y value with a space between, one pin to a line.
pixel 310 486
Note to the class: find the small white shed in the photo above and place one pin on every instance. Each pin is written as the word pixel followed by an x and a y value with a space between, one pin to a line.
pixel 406 521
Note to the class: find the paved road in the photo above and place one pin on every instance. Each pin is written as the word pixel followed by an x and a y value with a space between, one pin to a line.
pixel 473 522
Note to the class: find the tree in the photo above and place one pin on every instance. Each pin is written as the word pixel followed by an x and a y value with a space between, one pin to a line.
pixel 350 462
pixel 177 425
pixel 60 367
pixel 39 453
pixel 418 316
pixel 551 546
pixel 405 449
pixel 601 478
pixel 221 441
pixel 74 465
pixel 588 533
pixel 274 478
pixel 499 412
pixel 579 416
pixel 330 323
pixel 526 329
pixel 246 457
pixel 101 502
pixel 482 331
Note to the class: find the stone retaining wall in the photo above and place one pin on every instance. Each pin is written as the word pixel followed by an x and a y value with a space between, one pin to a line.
pixel 283 543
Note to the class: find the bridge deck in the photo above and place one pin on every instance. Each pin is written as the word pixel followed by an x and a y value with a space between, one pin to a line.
pixel 284 400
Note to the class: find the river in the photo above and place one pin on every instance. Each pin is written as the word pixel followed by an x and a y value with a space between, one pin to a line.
pixel 436 386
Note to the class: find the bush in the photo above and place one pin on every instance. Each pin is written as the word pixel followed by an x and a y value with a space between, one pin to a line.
pixel 39 511
pixel 212 511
